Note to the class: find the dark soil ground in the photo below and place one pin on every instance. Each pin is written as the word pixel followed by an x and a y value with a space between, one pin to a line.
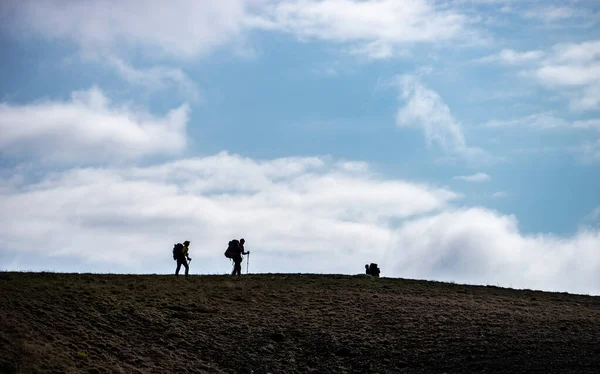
pixel 88 323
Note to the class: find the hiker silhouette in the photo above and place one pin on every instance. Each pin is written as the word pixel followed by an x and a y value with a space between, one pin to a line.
pixel 234 251
pixel 181 255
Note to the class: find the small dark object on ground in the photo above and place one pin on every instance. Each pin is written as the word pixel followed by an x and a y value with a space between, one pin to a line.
pixel 343 352
pixel 372 269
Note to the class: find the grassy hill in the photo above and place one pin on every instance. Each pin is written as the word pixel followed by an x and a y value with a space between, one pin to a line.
pixel 89 323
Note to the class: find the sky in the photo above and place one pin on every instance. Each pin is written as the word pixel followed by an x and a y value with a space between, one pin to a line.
pixel 444 140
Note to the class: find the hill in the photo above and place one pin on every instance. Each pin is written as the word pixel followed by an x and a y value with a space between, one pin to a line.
pixel 89 323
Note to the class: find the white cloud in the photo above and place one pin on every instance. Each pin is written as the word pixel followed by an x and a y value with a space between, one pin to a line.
pixel 156 77
pixel 288 206
pixel 509 56
pixel 568 75
pixel 574 67
pixel 577 52
pixel 589 99
pixel 499 195
pixel 188 28
pixel 480 246
pixel 475 178
pixel 378 29
pixel 571 68
pixel 88 128
pixel 309 214
pixel 183 29
pixel 424 108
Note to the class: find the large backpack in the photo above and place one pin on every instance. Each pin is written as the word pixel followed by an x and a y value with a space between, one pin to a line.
pixel 232 248
pixel 177 251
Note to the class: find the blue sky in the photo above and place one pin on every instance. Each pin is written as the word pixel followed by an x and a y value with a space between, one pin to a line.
pixel 445 140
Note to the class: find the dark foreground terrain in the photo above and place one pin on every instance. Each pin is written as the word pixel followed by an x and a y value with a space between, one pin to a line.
pixel 71 323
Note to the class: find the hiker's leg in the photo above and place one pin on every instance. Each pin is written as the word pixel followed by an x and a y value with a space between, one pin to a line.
pixel 178 267
pixel 187 267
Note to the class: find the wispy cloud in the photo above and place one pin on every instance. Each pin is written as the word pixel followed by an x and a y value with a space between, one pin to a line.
pixel 588 124
pixel 424 108
pixel 554 13
pixel 475 178
pixel 589 151
pixel 571 68
pixel 88 128
pixel 156 77
pixel 586 152
pixel 509 56
pixel 499 195
pixel 538 121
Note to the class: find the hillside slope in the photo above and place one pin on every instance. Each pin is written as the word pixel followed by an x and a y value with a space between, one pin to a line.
pixel 288 324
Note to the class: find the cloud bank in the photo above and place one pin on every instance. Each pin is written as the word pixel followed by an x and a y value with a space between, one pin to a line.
pixel 284 206
pixel 307 214
pixel 88 128
pixel 476 245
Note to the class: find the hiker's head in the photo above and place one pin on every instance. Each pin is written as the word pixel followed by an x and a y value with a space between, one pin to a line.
pixel 242 241
pixel 186 243
pixel 366 266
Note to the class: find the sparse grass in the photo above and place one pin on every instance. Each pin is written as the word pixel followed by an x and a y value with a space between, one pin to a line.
pixel 288 323
pixel 81 354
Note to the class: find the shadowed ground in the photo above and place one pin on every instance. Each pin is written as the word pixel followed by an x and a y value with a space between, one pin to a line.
pixel 92 323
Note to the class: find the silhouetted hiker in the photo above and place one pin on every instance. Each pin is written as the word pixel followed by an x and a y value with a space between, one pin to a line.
pixel 367 271
pixel 373 270
pixel 234 251
pixel 180 254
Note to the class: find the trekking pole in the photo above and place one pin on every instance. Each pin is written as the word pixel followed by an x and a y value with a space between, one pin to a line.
pixel 247 263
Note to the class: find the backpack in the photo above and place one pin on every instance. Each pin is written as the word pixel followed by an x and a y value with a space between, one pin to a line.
pixel 177 251
pixel 232 248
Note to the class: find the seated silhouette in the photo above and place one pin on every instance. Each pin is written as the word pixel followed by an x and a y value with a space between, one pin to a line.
pixel 372 269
